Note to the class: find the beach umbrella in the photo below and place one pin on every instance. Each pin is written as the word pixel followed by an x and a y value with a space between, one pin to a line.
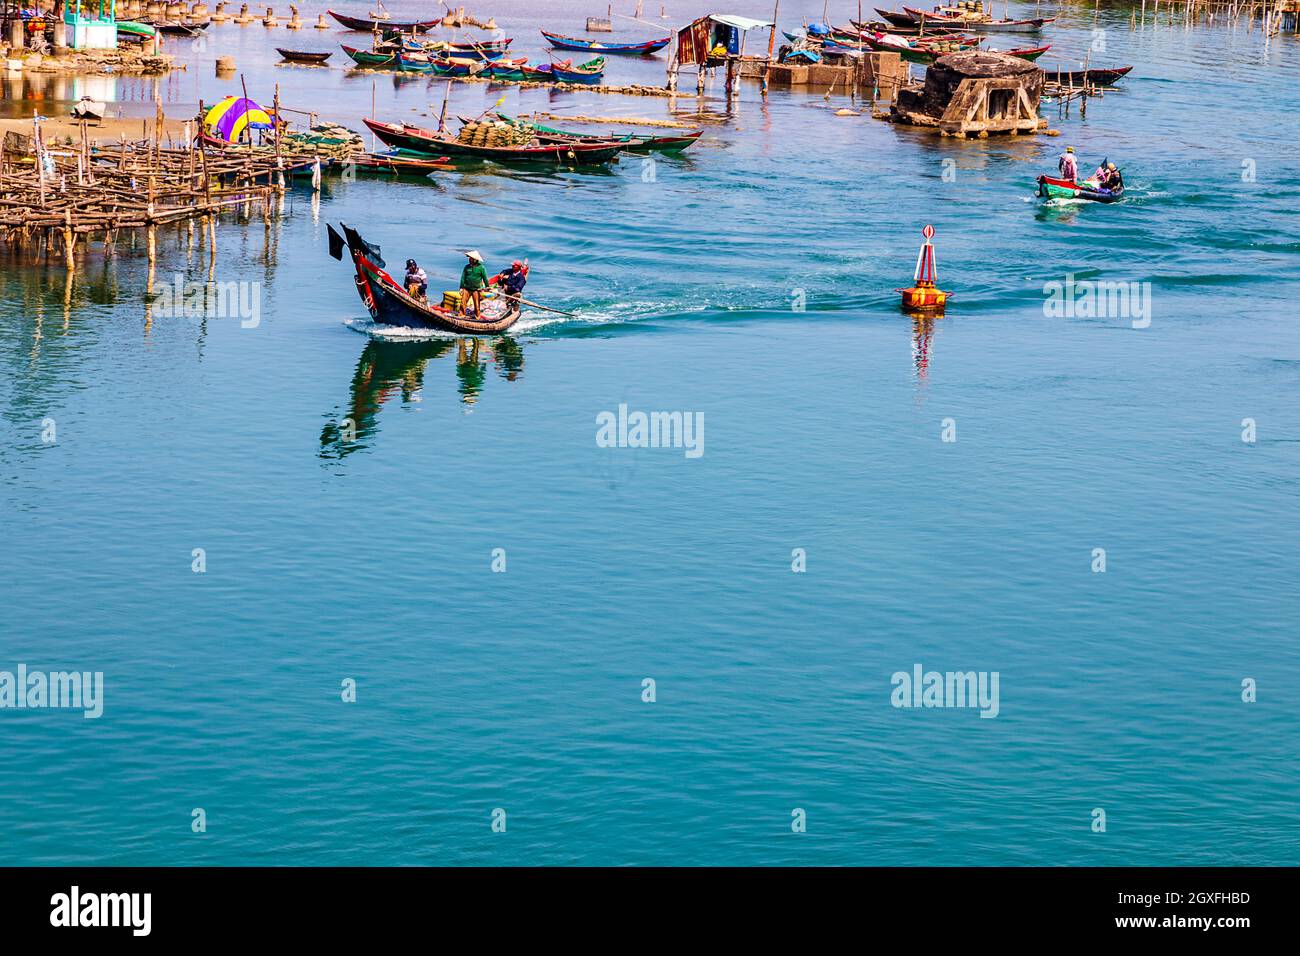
pixel 229 118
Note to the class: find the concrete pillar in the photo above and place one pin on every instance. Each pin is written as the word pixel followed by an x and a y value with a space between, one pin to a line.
pixel 16 34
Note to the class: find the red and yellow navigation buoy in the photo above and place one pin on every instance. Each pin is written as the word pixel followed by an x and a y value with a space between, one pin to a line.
pixel 924 296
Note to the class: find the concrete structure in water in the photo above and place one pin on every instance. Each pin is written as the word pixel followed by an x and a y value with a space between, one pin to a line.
pixel 974 93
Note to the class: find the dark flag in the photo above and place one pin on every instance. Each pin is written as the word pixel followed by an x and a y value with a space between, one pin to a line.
pixel 336 243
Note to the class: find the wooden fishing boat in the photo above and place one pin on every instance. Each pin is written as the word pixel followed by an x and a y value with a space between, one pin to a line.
pixel 894 18
pixel 1025 53
pixel 368 25
pixel 558 152
pixel 590 73
pixel 637 142
pixel 388 303
pixel 508 69
pixel 494 50
pixel 457 67
pixel 846 35
pixel 964 20
pixel 397 162
pixel 370 58
pixel 1093 77
pixel 176 28
pixel 542 72
pixel 407 63
pixel 904 29
pixel 303 56
pixel 1052 188
pixel 560 42
pixel 923 52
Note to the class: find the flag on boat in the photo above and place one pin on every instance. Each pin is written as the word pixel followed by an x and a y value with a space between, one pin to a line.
pixel 229 118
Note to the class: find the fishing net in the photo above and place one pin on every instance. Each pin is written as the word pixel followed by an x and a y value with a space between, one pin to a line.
pixel 495 135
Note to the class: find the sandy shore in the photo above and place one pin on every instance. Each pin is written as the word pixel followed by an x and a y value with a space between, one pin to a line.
pixel 56 128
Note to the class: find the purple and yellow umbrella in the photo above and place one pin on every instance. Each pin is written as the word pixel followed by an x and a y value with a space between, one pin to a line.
pixel 229 118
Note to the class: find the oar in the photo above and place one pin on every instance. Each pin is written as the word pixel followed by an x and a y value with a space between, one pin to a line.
pixel 544 308
pixel 548 308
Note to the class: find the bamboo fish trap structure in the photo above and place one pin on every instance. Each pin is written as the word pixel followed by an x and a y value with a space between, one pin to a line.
pixel 56 196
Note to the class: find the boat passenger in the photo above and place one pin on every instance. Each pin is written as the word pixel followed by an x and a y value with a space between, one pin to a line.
pixel 1068 165
pixel 473 280
pixel 417 281
pixel 1114 178
pixel 512 280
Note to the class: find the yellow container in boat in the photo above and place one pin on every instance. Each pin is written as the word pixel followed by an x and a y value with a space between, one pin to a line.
pixel 451 300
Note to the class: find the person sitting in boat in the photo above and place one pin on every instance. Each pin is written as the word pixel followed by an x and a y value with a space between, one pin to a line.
pixel 473 280
pixel 417 282
pixel 1111 178
pixel 512 280
pixel 1068 165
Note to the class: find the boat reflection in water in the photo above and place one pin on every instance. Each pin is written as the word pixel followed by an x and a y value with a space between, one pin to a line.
pixel 388 368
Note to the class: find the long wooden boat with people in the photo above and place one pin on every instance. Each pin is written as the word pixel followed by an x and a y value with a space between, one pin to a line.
pixel 561 42
pixel 560 152
pixel 390 304
pixel 361 25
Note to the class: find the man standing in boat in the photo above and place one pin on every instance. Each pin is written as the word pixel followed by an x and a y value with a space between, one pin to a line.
pixel 473 280
pixel 1068 165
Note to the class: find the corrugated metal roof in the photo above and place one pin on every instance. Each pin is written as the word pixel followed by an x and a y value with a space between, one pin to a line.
pixel 740 23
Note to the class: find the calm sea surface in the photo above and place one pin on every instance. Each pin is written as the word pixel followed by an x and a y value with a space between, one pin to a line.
pixel 371 560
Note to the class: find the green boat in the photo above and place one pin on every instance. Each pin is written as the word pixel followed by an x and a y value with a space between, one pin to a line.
pixel 136 28
pixel 367 58
pixel 637 142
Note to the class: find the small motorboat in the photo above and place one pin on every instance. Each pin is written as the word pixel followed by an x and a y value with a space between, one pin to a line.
pixel 1052 188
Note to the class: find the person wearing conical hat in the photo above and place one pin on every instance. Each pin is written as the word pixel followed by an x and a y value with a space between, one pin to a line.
pixel 473 280
pixel 1068 165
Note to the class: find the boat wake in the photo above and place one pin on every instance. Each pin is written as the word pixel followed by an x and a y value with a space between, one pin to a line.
pixel 529 321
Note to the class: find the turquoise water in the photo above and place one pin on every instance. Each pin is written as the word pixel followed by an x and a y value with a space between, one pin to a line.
pixel 371 559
